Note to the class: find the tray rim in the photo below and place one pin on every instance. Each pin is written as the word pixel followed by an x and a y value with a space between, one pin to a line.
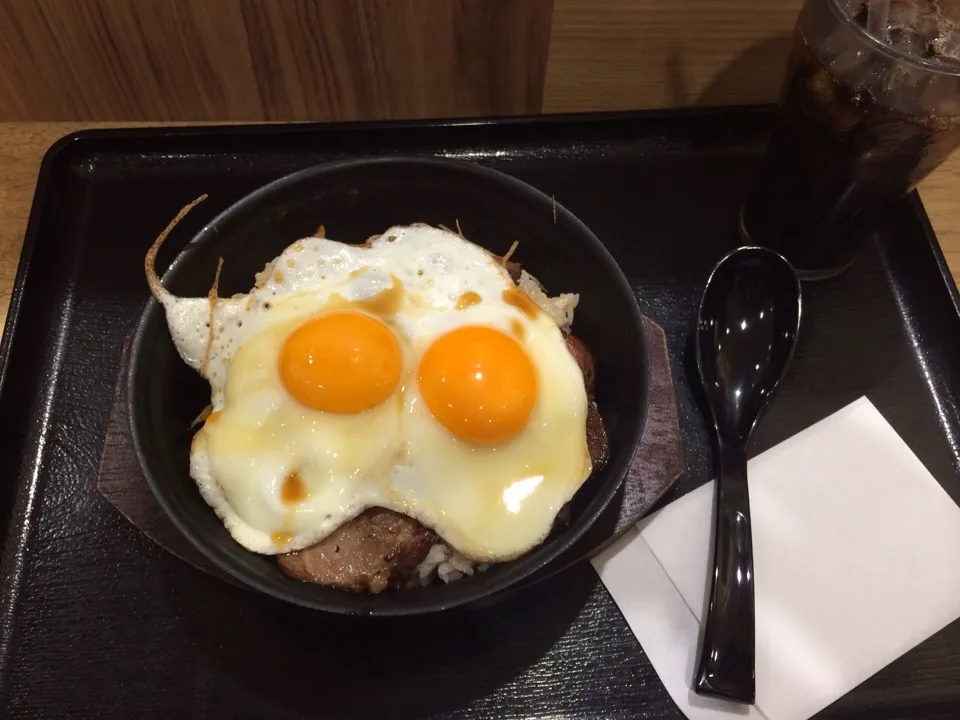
pixel 916 206
pixel 225 128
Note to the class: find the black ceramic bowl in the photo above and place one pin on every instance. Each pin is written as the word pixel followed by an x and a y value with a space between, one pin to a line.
pixel 356 199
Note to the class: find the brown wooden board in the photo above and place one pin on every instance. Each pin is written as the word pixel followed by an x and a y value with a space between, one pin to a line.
pixel 256 60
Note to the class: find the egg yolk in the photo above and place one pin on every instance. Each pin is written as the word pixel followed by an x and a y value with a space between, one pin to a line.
pixel 342 362
pixel 479 383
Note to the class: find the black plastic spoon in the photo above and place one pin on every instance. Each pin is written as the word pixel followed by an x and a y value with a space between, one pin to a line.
pixel 746 332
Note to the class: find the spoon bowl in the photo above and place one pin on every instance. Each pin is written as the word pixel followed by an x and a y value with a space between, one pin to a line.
pixel 746 332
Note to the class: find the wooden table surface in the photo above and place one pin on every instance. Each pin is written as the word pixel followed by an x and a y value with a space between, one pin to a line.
pixel 22 146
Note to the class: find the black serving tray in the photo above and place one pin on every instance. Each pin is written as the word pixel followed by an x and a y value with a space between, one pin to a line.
pixel 98 621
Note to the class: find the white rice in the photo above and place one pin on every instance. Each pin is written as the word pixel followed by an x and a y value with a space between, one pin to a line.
pixel 446 564
pixel 559 307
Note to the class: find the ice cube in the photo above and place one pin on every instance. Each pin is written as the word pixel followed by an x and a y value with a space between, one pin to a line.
pixel 946 46
pixel 857 9
pixel 853 69
pixel 915 17
pixel 907 41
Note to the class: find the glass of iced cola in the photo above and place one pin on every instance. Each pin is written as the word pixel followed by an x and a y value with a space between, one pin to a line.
pixel 870 104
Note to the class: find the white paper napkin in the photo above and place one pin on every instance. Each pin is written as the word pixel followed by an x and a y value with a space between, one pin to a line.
pixel 856 555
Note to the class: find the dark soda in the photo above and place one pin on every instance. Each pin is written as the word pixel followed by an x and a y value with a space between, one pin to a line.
pixel 860 122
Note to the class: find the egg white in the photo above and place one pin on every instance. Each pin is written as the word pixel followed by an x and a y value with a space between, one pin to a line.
pixel 494 503
pixel 485 501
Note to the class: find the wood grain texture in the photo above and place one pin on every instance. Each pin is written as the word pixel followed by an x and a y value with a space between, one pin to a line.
pixel 629 54
pixel 270 59
pixel 22 146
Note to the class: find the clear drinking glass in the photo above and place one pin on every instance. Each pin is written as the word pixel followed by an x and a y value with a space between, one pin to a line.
pixel 862 119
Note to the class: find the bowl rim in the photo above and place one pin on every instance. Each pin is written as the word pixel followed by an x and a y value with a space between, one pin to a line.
pixel 527 564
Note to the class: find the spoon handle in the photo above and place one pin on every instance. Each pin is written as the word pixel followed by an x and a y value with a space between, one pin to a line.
pixel 727 657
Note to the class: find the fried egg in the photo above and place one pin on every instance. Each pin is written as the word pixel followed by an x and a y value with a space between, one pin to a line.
pixel 409 373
